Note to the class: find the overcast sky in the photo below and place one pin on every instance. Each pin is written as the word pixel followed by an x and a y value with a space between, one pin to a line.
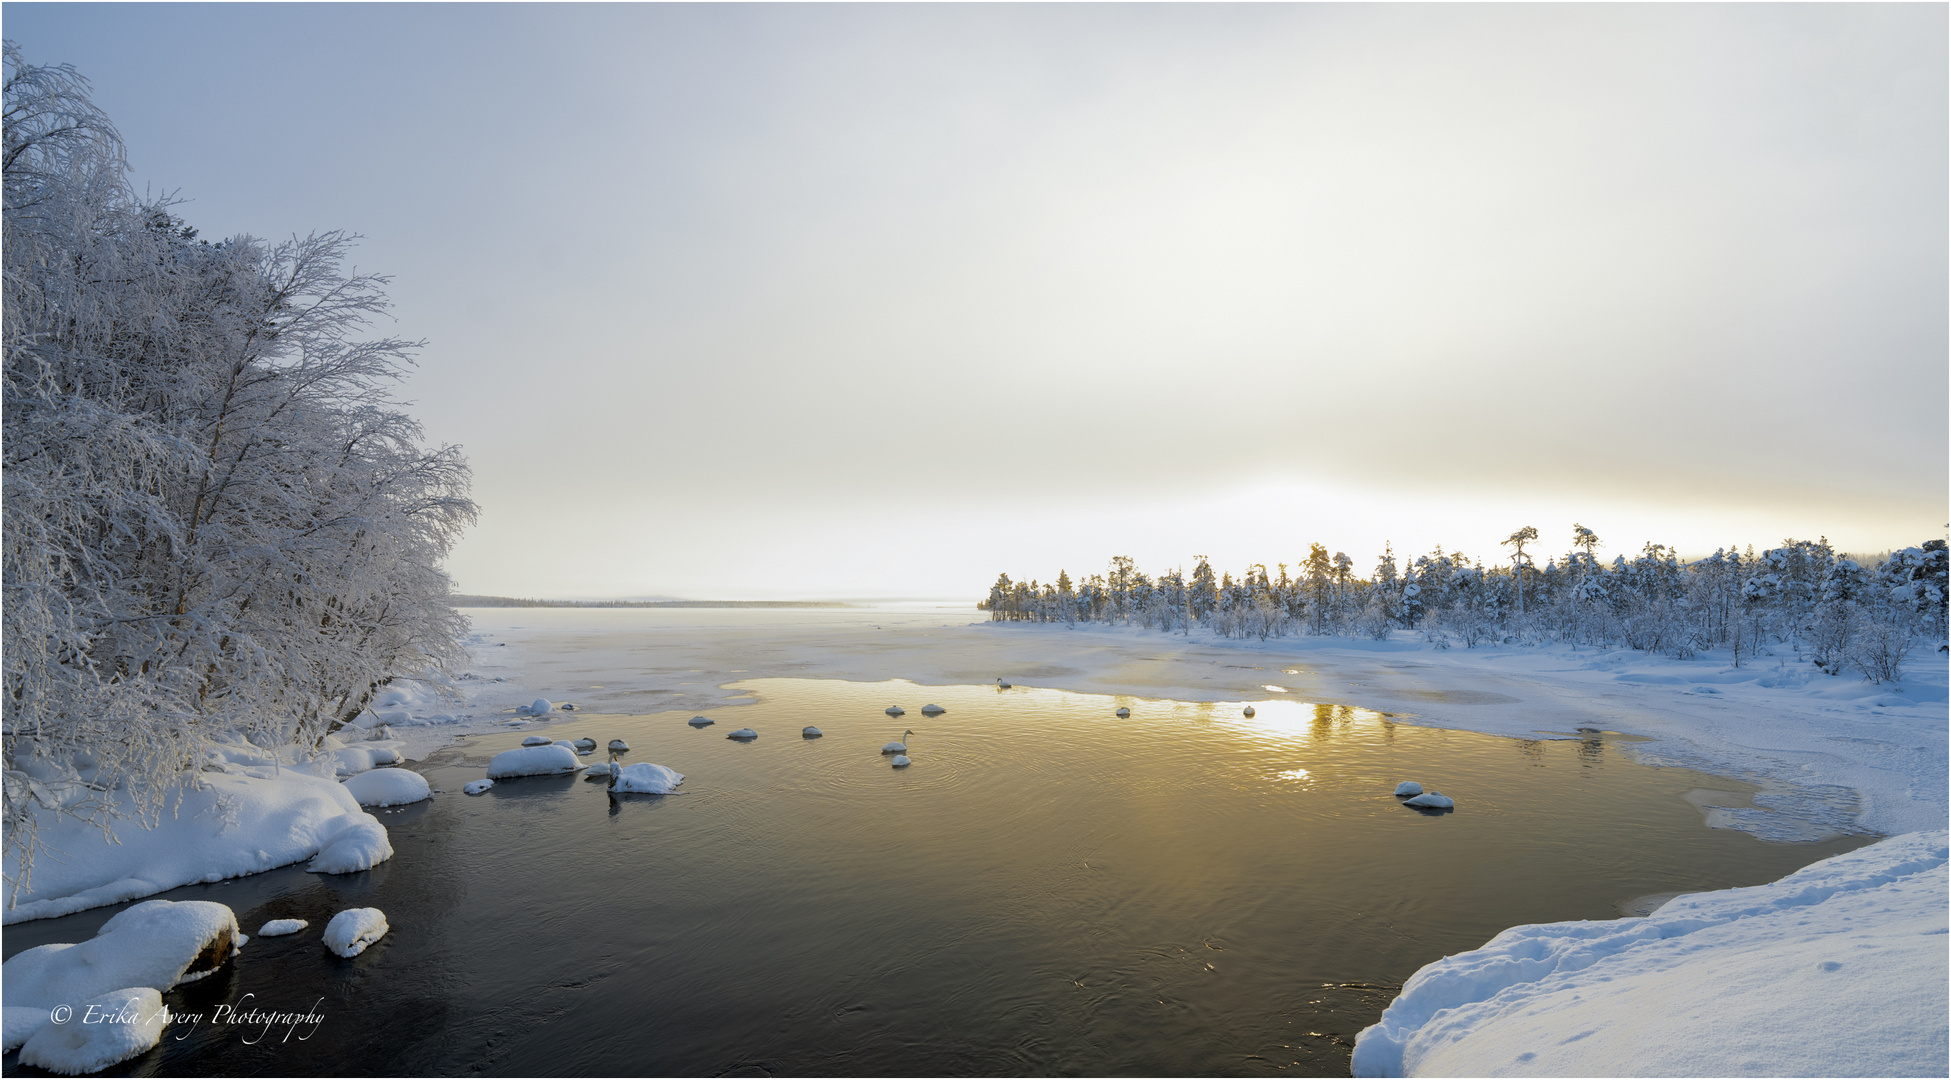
pixel 882 300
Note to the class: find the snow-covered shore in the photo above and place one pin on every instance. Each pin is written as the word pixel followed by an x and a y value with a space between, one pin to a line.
pixel 1839 969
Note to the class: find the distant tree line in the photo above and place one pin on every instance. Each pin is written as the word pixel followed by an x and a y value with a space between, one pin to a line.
pixel 1803 594
pixel 469 600
pixel 216 519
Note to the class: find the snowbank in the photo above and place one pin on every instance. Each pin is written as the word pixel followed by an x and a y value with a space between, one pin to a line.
pixel 1839 969
pixel 389 787
pixel 281 927
pixel 231 824
pixel 533 761
pixel 102 1031
pixel 351 930
pixel 646 779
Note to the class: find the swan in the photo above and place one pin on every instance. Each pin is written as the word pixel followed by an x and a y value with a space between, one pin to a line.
pixel 899 746
pixel 1001 685
pixel 744 734
pixel 895 710
pixel 811 732
pixel 901 761
pixel 1249 712
pixel 1122 711
pixel 932 710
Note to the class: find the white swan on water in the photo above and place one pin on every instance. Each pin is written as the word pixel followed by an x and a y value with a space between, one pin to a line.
pixel 1001 684
pixel 901 761
pixel 899 746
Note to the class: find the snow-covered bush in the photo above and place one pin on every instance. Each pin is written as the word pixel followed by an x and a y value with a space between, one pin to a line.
pixel 215 517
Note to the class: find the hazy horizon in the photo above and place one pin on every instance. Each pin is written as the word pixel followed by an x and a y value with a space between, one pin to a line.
pixel 814 301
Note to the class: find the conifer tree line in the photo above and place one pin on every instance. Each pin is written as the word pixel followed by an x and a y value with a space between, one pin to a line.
pixel 1803 596
pixel 216 519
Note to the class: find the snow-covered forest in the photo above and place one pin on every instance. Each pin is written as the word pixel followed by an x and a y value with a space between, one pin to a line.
pixel 1802 595
pixel 218 521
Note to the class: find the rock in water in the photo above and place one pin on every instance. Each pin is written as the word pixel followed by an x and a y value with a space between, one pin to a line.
pixel 281 927
pixel 127 1022
pixel 585 744
pixel 811 732
pixel 895 710
pixel 533 761
pixel 1432 800
pixel 1124 712
pixel 643 778
pixel 619 746
pixel 932 710
pixel 744 734
pixel 388 787
pixel 702 721
pixel 537 740
pixel 1409 787
pixel 157 943
pixel 352 930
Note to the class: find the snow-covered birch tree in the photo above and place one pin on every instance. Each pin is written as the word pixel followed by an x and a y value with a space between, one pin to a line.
pixel 216 517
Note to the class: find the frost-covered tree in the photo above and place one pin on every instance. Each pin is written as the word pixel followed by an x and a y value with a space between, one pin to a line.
pixel 216 517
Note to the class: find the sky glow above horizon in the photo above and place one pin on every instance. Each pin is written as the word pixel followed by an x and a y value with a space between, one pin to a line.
pixel 809 301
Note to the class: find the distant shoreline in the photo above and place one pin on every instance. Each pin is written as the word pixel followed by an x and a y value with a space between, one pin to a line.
pixel 461 601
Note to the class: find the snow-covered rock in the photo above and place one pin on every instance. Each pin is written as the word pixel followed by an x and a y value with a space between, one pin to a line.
pixel 17 1022
pixel 932 710
pixel 895 710
pixel 281 927
pixel 744 734
pixel 1409 787
pixel 1123 712
pixel 539 707
pixel 359 844
pixel 102 1031
pixel 476 787
pixel 158 944
pixel 1431 800
pixel 900 761
pixel 389 787
pixel 358 757
pixel 585 745
pixel 537 740
pixel 227 825
pixel 599 771
pixel 351 930
pixel 702 721
pixel 1836 970
pixel 647 779
pixel 619 746
pixel 811 732
pixel 533 761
